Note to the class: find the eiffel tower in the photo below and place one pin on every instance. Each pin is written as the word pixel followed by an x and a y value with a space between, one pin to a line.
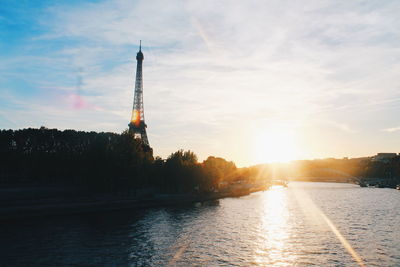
pixel 137 126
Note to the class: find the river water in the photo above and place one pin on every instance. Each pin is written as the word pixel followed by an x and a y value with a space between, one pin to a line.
pixel 306 224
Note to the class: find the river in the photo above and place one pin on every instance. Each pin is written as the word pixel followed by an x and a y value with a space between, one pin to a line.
pixel 306 224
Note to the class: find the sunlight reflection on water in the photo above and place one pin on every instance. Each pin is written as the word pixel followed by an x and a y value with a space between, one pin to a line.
pixel 274 226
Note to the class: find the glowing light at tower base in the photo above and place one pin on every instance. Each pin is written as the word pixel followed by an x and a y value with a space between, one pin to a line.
pixel 135 117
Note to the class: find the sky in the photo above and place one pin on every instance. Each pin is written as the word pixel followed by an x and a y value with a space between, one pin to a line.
pixel 249 81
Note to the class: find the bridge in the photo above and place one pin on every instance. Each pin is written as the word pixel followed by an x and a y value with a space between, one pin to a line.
pixel 362 181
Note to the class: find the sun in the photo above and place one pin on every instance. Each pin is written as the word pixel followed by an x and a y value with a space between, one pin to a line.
pixel 275 145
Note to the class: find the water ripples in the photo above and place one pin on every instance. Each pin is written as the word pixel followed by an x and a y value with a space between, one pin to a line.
pixel 279 227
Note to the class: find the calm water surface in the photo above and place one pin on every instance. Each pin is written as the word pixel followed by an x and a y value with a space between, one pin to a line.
pixel 304 225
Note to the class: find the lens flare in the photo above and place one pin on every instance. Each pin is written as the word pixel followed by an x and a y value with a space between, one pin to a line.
pixel 316 215
pixel 135 117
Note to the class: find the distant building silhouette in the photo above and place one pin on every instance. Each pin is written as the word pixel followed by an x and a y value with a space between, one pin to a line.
pixel 137 126
pixel 384 157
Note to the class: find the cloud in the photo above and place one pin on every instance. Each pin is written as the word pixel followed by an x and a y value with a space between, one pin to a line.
pixel 391 130
pixel 342 127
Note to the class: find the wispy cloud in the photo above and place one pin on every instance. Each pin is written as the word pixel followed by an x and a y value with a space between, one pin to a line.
pixel 343 127
pixel 391 130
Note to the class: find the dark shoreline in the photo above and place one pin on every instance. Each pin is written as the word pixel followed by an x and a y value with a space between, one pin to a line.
pixel 69 207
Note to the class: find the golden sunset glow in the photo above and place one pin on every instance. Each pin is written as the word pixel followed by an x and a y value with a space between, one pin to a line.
pixel 276 145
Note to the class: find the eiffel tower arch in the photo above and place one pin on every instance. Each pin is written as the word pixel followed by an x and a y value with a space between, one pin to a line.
pixel 137 125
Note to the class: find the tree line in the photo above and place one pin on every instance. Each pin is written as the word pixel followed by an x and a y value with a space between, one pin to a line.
pixel 119 163
pixel 106 163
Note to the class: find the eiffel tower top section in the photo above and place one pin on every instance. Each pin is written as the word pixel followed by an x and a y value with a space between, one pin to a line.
pixel 139 55
pixel 137 126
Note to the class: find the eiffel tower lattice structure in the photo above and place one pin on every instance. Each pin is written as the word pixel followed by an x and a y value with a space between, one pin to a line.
pixel 137 126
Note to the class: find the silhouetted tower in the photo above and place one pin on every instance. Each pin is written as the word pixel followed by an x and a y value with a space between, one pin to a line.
pixel 137 126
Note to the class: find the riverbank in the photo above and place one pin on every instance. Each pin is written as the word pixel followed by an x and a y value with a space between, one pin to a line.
pixel 18 209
